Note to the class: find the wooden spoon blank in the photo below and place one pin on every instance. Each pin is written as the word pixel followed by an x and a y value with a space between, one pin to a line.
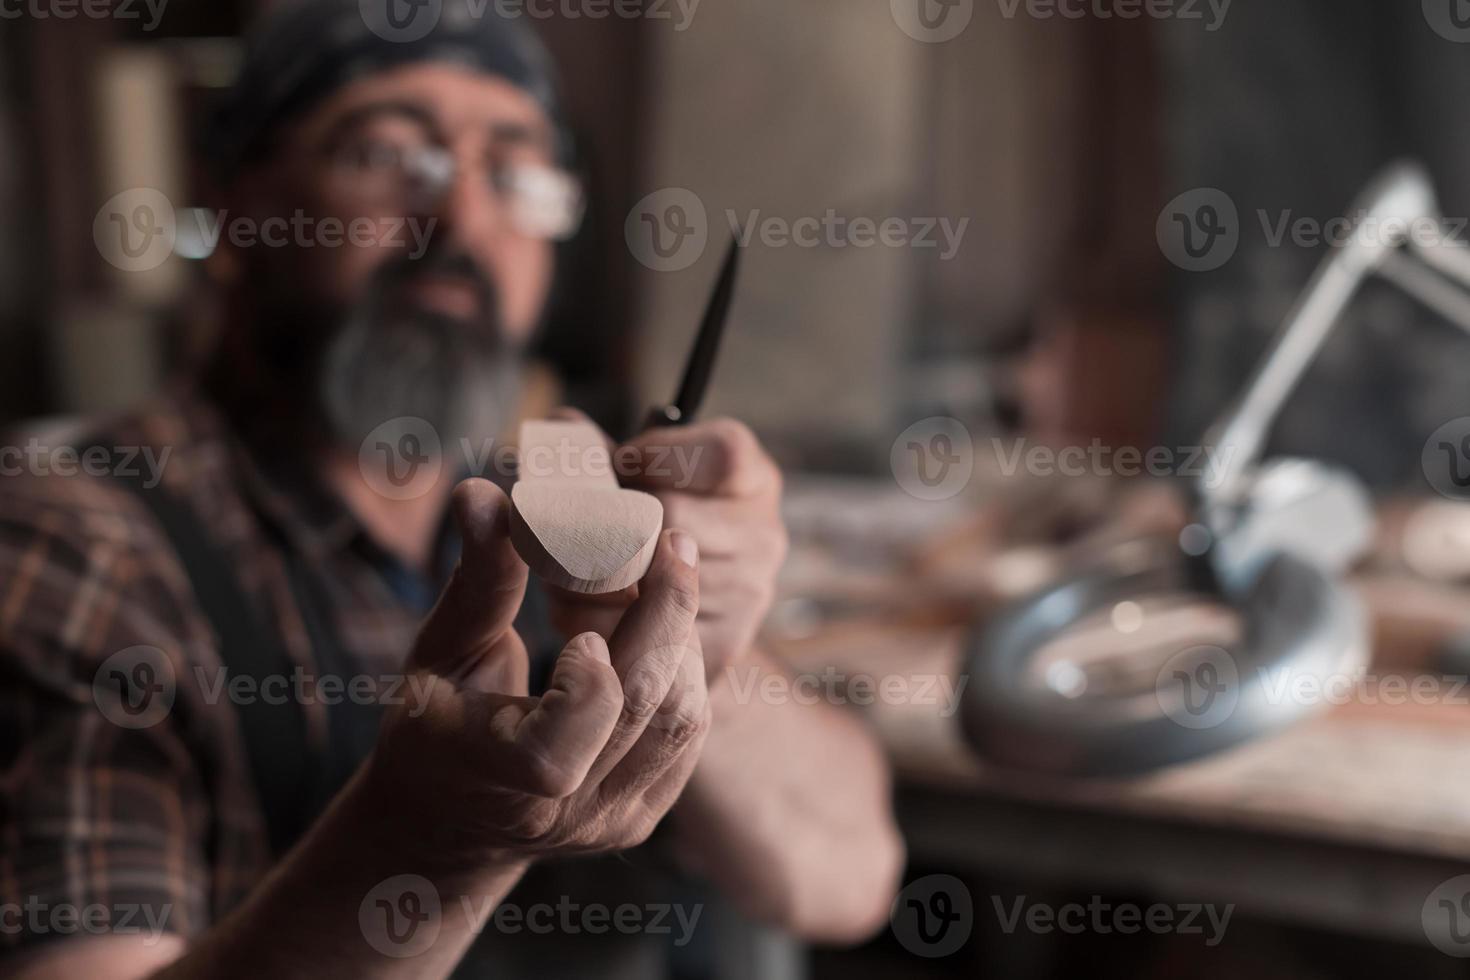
pixel 570 521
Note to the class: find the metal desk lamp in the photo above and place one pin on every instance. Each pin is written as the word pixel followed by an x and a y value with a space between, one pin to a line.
pixel 1269 545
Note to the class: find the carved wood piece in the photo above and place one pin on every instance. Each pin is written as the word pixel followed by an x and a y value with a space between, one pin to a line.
pixel 570 521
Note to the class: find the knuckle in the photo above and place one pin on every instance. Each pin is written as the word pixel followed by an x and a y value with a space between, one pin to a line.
pixel 735 448
pixel 684 725
pixel 643 694
pixel 732 435
pixel 743 465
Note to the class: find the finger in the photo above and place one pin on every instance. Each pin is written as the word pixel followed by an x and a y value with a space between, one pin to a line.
pixel 569 620
pixel 480 602
pixel 554 743
pixel 726 526
pixel 505 668
pixel 720 457
pixel 670 781
pixel 679 724
pixel 652 639
pixel 574 612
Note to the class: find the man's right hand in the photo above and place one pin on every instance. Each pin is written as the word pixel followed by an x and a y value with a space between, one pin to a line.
pixel 464 793
pixel 486 773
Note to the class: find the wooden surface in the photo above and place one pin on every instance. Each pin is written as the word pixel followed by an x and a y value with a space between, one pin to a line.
pixel 1347 822
pixel 1389 775
pixel 571 522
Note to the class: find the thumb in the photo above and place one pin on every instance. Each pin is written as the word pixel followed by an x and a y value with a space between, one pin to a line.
pixel 480 603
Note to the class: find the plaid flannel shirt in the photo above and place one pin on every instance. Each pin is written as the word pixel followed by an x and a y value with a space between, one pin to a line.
pixel 115 823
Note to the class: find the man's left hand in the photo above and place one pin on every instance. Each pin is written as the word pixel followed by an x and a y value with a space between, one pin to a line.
pixel 719 485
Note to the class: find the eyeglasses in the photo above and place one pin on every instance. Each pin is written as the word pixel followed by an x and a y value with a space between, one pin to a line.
pixel 541 200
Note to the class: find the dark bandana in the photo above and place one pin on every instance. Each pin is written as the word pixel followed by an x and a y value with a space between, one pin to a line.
pixel 304 50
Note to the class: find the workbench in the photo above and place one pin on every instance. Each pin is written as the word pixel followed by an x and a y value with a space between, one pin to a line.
pixel 1348 821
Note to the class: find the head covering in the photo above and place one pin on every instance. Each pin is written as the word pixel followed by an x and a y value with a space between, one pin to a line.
pixel 305 50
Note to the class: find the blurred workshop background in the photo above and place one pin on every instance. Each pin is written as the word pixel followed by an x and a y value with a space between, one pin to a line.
pixel 1040 154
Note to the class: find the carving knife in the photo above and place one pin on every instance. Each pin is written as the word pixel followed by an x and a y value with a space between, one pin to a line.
pixel 701 363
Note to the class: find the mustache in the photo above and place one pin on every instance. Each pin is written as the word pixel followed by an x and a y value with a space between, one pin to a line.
pixel 446 262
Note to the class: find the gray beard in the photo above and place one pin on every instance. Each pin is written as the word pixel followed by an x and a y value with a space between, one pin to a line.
pixel 392 371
